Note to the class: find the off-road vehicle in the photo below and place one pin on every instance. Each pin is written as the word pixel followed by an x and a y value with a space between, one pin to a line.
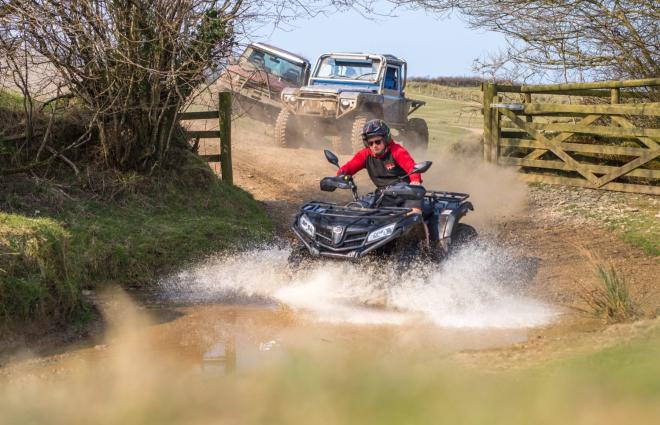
pixel 258 77
pixel 345 90
pixel 364 227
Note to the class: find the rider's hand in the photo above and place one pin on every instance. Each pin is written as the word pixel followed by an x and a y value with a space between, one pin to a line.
pixel 414 211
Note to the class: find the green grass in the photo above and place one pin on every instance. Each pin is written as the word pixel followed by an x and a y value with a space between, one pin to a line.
pixel 50 250
pixel 633 218
pixel 611 299
pixel 450 116
pixel 10 100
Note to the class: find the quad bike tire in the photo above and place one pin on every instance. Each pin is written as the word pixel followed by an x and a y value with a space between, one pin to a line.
pixel 461 236
pixel 287 130
pixel 299 257
pixel 417 134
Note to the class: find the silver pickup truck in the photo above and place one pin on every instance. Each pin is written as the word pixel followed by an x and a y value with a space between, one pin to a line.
pixel 345 90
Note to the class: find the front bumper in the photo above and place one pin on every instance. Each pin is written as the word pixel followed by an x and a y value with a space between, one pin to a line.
pixel 317 249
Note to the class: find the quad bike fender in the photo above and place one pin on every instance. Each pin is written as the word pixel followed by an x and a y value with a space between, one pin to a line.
pixel 447 220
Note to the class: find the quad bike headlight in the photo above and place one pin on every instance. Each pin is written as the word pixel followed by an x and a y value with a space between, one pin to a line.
pixel 306 225
pixel 381 233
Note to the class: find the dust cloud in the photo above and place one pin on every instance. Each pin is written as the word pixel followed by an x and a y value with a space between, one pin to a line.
pixel 495 191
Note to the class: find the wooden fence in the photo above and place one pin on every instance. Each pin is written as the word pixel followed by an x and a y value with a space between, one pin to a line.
pixel 591 144
pixel 223 114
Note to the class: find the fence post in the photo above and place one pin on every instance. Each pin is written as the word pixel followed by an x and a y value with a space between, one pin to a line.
pixel 528 100
pixel 489 93
pixel 495 131
pixel 615 96
pixel 224 108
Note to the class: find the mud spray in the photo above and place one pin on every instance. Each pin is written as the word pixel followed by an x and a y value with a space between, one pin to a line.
pixel 478 287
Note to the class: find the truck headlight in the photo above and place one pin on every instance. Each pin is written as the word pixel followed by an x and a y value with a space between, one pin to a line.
pixel 306 225
pixel 347 102
pixel 381 233
pixel 289 97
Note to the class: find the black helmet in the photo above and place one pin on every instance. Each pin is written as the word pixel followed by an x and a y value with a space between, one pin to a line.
pixel 376 127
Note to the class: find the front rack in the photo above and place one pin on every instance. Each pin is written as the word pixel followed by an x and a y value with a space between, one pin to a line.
pixel 329 209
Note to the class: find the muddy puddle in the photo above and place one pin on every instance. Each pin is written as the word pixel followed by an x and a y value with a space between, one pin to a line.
pixel 245 336
pixel 248 308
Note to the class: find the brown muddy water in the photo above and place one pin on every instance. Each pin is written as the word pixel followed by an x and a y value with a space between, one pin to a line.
pixel 242 338
pixel 243 309
pixel 246 308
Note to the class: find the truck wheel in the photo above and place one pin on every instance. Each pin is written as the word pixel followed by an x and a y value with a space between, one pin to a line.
pixel 339 144
pixel 356 131
pixel 418 134
pixel 287 132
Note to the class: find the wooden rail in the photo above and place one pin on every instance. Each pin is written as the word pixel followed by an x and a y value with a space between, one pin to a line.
pixel 223 114
pixel 611 146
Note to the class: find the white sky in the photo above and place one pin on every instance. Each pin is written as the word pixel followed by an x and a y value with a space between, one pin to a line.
pixel 433 47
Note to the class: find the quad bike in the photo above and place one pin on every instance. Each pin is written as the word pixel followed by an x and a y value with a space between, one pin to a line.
pixel 364 227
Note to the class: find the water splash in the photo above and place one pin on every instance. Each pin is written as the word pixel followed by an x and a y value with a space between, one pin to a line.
pixel 478 287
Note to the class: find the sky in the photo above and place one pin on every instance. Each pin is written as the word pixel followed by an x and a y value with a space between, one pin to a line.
pixel 431 46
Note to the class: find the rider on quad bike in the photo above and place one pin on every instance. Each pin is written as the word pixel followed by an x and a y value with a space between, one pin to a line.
pixel 388 163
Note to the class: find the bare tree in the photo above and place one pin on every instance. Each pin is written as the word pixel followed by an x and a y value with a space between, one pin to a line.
pixel 131 62
pixel 579 39
pixel 134 63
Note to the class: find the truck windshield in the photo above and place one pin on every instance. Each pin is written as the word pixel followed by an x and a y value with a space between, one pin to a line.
pixel 280 67
pixel 358 69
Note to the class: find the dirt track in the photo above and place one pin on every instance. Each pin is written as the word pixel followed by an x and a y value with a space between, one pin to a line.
pixel 546 256
pixel 554 249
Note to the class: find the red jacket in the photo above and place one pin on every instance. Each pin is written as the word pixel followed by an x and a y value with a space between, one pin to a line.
pixel 399 153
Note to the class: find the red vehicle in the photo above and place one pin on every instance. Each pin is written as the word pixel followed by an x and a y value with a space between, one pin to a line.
pixel 258 77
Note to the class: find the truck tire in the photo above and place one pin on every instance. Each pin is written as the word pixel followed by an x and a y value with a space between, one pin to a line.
pixel 287 132
pixel 356 131
pixel 418 134
pixel 339 144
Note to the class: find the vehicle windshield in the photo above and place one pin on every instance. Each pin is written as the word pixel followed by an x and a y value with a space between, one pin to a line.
pixel 280 67
pixel 351 69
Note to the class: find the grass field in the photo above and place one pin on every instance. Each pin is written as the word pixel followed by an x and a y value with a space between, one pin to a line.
pixel 56 239
pixel 451 113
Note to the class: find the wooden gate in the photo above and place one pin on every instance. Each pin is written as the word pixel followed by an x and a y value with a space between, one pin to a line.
pixel 592 144
pixel 223 114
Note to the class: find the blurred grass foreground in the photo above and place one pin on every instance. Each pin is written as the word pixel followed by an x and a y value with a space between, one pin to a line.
pixel 135 385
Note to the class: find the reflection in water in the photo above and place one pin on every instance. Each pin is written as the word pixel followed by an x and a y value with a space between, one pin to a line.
pixel 218 339
pixel 221 357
